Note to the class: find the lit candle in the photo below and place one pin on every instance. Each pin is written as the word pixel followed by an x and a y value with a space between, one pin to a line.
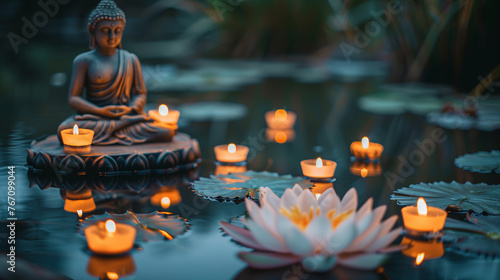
pixel 365 169
pixel 165 115
pixel 110 238
pixel 231 153
pixel 280 119
pixel 77 140
pixel 365 150
pixel 280 136
pixel 318 168
pixel 421 249
pixel 421 218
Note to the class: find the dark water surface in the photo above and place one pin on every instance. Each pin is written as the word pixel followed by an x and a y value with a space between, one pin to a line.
pixel 48 238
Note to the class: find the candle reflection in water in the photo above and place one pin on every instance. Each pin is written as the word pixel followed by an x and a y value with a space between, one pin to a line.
pixel 319 188
pixel 166 197
pixel 280 136
pixel 227 169
pixel 422 250
pixel 79 202
pixel 111 267
pixel 365 169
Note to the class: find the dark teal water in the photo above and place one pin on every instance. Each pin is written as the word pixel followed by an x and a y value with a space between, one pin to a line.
pixel 48 238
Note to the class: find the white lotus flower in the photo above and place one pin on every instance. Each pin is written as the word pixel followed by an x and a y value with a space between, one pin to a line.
pixel 318 233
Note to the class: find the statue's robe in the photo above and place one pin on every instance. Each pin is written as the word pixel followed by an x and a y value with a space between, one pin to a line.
pixel 128 129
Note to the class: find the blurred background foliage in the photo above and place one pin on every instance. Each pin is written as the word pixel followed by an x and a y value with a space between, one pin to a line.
pixel 437 41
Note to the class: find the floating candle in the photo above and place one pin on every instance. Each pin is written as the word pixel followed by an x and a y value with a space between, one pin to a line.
pixel 318 168
pixel 421 249
pixel 365 169
pixel 280 119
pixel 231 153
pixel 421 218
pixel 365 150
pixel 165 115
pixel 77 140
pixel 110 238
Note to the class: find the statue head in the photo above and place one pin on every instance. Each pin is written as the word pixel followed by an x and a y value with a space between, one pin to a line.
pixel 106 24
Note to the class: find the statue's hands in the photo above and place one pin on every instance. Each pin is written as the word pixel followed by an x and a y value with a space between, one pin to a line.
pixel 114 111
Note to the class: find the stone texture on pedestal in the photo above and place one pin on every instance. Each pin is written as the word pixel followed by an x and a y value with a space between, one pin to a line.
pixel 182 153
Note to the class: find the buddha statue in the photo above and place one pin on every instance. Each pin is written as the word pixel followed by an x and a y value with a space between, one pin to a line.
pixel 115 94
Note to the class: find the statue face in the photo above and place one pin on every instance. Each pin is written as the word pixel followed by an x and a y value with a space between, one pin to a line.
pixel 108 33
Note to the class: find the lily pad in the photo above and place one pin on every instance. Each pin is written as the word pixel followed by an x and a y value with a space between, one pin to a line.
pixel 468 196
pixel 397 103
pixel 237 186
pixel 479 235
pixel 150 227
pixel 488 117
pixel 482 162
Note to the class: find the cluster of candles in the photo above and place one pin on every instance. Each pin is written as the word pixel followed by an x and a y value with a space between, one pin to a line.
pixel 110 238
pixel 79 140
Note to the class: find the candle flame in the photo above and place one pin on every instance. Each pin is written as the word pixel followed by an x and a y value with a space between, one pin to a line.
pixel 280 114
pixel 421 207
pixel 420 258
pixel 364 172
pixel 165 202
pixel 110 226
pixel 75 129
pixel 163 110
pixel 112 275
pixel 365 142
pixel 79 212
pixel 231 148
pixel 319 163
pixel 280 137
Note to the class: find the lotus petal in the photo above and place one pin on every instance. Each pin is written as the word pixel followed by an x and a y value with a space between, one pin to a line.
pixel 350 200
pixel 295 239
pixel 343 235
pixel 265 238
pixel 242 236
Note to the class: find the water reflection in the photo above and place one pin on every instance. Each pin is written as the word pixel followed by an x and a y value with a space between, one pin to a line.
pixel 111 267
pixel 366 169
pixel 166 196
pixel 79 202
pixel 221 169
pixel 319 188
pixel 422 250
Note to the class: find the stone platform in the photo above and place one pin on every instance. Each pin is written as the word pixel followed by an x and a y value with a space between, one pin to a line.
pixel 182 153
